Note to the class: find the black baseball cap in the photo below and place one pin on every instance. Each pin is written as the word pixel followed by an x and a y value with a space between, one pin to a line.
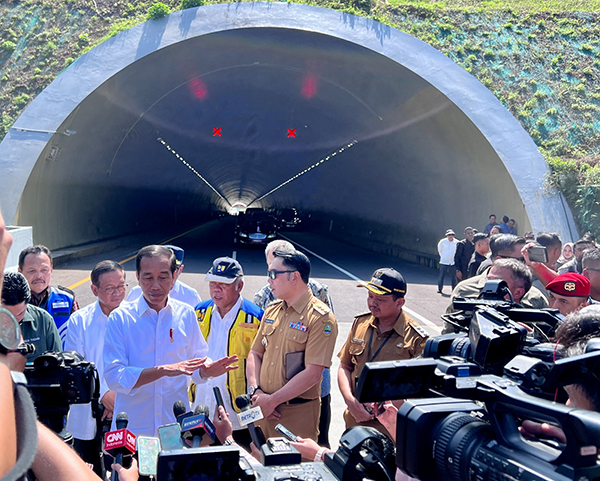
pixel 386 281
pixel 225 270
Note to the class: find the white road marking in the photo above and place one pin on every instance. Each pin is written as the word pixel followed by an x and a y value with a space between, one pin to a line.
pixel 436 329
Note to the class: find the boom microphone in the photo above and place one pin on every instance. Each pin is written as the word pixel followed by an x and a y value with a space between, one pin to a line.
pixel 197 425
pixel 248 416
pixel 120 442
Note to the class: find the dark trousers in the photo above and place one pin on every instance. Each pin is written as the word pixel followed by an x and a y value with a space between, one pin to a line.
pixel 89 451
pixel 451 271
pixel 324 422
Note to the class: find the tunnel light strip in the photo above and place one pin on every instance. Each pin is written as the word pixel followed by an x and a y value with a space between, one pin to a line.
pixel 186 163
pixel 333 154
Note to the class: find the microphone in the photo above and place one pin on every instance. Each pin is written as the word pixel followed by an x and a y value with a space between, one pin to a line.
pixel 248 416
pixel 197 425
pixel 120 442
pixel 179 412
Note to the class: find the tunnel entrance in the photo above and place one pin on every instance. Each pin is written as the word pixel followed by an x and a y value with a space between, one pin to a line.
pixel 379 137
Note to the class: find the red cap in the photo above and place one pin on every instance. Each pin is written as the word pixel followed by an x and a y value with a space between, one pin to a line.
pixel 570 284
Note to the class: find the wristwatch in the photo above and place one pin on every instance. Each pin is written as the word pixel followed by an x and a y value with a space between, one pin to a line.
pixel 10 332
pixel 252 390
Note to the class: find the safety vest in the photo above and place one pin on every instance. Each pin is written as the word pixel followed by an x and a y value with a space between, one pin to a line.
pixel 59 305
pixel 239 341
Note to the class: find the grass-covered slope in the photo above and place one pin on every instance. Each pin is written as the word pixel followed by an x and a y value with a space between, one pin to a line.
pixel 541 58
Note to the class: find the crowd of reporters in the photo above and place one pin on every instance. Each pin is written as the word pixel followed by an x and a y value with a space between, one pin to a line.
pixel 557 278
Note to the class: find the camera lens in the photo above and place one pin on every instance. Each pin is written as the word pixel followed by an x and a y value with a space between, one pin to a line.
pixel 461 347
pixel 458 437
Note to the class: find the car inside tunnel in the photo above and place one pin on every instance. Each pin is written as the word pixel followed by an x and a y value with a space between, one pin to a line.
pixel 271 106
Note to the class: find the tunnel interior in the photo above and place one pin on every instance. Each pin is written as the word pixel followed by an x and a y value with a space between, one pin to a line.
pixel 230 116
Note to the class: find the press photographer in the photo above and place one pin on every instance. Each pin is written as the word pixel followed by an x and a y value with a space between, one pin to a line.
pixel 481 425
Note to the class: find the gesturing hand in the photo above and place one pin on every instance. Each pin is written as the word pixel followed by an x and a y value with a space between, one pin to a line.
pixel 184 367
pixel 219 367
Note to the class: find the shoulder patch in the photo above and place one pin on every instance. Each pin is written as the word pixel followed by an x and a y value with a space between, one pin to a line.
pixel 321 307
pixel 420 331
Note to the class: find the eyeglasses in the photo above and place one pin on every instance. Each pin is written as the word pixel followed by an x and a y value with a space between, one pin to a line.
pixel 273 273
pixel 111 290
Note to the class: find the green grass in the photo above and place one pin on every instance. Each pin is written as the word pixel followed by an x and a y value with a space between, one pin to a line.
pixel 492 5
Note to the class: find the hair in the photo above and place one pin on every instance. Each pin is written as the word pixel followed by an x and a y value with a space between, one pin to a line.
pixel 521 274
pixel 589 237
pixel 35 250
pixel 15 289
pixel 512 220
pixel 503 244
pixel 295 260
pixel 279 245
pixel 479 237
pixel 573 334
pixel 590 257
pixel 104 267
pixel 548 239
pixel 492 215
pixel 528 235
pixel 155 251
pixel 505 219
pixel 583 240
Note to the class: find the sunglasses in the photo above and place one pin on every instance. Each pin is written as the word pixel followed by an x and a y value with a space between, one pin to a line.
pixel 272 274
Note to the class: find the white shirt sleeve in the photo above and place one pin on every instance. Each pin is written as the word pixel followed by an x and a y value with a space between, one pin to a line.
pixel 119 375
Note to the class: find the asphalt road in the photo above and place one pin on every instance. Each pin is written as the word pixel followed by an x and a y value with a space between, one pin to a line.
pixel 335 264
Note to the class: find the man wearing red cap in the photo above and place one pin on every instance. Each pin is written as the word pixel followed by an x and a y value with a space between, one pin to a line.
pixel 568 292
pixel 386 333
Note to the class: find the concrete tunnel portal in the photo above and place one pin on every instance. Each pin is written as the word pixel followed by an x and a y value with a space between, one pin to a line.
pixel 224 104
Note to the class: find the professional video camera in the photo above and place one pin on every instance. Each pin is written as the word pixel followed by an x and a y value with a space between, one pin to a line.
pixel 473 432
pixel 58 379
pixel 491 331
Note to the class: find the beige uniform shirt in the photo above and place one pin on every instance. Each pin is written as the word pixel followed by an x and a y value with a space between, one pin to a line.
pixel 406 341
pixel 307 325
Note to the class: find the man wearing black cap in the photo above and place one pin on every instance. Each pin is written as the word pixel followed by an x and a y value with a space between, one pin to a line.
pixel 229 324
pixel 386 333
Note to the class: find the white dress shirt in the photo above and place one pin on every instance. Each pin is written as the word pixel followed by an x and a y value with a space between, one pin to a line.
pixel 181 292
pixel 137 337
pixel 85 334
pixel 447 249
pixel 218 339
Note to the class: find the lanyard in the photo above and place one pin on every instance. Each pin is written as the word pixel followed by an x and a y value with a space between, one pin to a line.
pixel 380 347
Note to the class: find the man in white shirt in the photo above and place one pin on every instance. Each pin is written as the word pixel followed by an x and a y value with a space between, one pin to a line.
pixel 152 345
pixel 85 334
pixel 181 291
pixel 229 323
pixel 447 249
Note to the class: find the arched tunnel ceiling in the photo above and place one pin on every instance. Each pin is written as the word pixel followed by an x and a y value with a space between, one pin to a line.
pixel 419 144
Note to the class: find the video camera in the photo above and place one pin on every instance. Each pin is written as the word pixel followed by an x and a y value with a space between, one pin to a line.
pixel 490 331
pixel 472 432
pixel 57 380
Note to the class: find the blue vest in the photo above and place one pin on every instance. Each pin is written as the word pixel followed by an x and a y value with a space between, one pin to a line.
pixel 59 306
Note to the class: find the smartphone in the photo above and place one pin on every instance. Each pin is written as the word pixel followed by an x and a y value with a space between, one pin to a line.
pixel 281 429
pixel 170 437
pixel 538 254
pixel 218 396
pixel 148 449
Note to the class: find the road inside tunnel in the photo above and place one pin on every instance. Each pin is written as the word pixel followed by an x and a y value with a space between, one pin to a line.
pixel 380 138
